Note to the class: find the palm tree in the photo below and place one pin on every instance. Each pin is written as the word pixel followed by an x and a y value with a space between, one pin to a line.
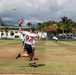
pixel 64 23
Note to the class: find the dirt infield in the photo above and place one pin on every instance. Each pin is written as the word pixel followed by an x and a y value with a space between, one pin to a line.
pixel 23 74
pixel 16 74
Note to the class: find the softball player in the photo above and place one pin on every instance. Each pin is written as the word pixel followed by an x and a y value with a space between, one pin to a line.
pixel 30 36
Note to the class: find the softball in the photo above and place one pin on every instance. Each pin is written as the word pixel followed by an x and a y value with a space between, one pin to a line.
pixel 14 8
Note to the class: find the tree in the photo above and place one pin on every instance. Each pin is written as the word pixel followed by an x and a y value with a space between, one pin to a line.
pixel 67 24
pixel 28 24
pixel 49 29
pixel 0 21
pixel 45 24
pixel 64 23
pixel 55 27
pixel 6 29
pixel 40 26
pixel 74 29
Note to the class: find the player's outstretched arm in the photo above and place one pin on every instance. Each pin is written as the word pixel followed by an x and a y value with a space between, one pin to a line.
pixel 19 23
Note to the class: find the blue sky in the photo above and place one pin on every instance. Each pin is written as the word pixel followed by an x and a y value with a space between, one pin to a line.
pixel 36 10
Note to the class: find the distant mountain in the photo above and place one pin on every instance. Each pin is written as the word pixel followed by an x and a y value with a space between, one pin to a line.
pixel 34 25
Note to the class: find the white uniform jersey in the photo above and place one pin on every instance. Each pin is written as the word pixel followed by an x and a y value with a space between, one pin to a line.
pixel 33 43
pixel 30 37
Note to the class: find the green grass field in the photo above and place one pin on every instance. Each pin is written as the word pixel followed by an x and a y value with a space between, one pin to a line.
pixel 58 58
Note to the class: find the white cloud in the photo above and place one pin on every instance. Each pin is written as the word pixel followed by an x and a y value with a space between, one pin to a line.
pixel 28 4
pixel 61 2
pixel 37 10
pixel 7 19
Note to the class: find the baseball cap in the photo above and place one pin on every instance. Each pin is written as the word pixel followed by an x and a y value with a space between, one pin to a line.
pixel 32 28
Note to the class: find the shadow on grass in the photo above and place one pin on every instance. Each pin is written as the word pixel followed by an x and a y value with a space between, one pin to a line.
pixel 38 65
pixel 41 64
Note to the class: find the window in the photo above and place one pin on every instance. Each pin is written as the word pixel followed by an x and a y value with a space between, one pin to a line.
pixel 16 36
pixel 2 34
pixel 16 31
pixel 12 33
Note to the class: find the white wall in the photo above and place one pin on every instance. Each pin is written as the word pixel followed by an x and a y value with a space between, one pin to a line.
pixel 9 34
pixel 41 35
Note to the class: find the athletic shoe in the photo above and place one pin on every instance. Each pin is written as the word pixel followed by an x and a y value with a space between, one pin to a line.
pixel 34 59
pixel 19 55
pixel 33 64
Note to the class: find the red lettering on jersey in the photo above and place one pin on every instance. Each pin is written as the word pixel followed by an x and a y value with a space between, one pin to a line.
pixel 29 38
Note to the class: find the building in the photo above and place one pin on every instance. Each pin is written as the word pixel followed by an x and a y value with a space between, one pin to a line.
pixel 16 34
pixel 10 34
